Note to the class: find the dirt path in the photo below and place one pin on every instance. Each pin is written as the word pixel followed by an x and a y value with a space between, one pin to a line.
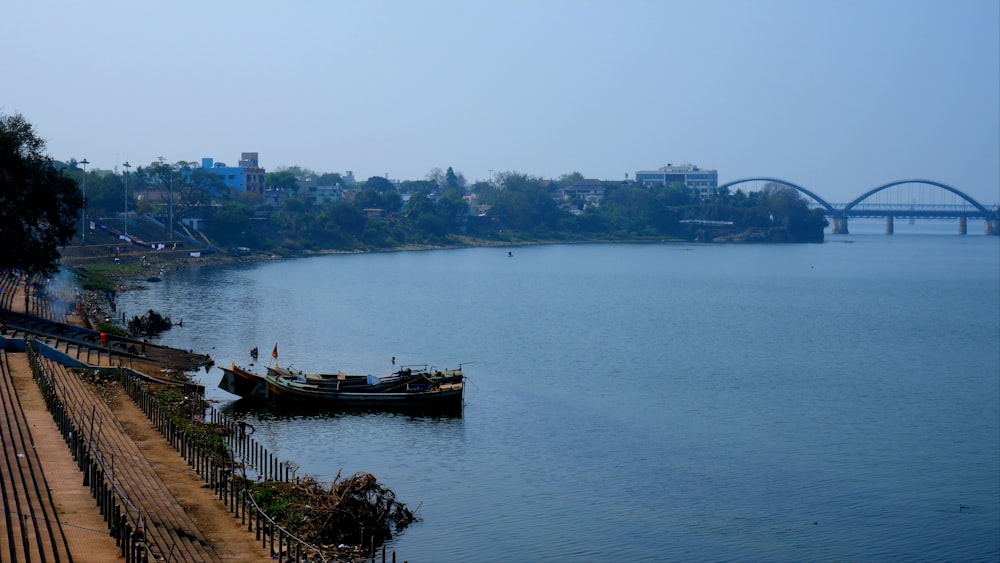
pixel 230 539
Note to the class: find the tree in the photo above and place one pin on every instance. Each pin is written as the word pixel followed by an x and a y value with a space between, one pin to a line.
pixel 202 187
pixel 789 209
pixel 105 192
pixel 392 201
pixel 39 205
pixel 283 180
pixel 419 205
pixel 626 209
pixel 230 224
pixel 451 206
pixel 674 194
pixel 436 175
pixel 522 203
pixel 479 187
pixel 570 179
pixel 368 199
pixel 422 212
pixel 331 179
pixel 450 179
pixel 379 184
pixel 346 216
pixel 426 187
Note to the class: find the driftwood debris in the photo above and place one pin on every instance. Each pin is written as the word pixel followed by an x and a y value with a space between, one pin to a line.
pixel 351 517
pixel 354 511
pixel 150 323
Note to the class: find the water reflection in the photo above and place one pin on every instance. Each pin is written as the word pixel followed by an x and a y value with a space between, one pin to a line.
pixel 245 408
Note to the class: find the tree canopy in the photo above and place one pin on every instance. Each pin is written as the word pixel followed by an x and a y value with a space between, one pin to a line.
pixel 379 184
pixel 39 205
pixel 284 180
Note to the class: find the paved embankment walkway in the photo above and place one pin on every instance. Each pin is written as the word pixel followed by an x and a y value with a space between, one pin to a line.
pixel 168 528
pixel 49 513
pixel 30 526
pixel 74 522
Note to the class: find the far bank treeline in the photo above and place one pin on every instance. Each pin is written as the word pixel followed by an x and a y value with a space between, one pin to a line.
pixel 511 208
pixel 514 208
pixel 376 214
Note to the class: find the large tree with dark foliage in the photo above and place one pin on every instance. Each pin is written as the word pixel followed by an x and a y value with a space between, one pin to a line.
pixel 39 205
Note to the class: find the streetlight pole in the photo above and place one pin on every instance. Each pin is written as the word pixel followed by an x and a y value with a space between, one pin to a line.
pixel 127 166
pixel 170 206
pixel 83 210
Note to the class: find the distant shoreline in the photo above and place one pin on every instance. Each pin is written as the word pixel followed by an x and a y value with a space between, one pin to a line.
pixel 158 262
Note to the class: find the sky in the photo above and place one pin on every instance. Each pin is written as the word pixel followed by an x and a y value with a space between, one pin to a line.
pixel 837 97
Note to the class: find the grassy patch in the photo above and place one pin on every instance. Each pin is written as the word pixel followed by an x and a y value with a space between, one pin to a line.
pixel 96 278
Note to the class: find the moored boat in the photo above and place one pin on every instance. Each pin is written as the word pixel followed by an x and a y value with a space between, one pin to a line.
pixel 405 389
pixel 243 383
pixel 368 382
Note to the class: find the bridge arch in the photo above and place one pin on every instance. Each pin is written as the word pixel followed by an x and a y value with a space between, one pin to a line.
pixel 980 207
pixel 826 206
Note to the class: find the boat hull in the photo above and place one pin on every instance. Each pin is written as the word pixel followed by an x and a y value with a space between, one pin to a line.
pixel 444 392
pixel 244 384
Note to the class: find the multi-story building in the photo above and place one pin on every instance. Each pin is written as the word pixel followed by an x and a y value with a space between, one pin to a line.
pixel 317 194
pixel 703 182
pixel 247 177
pixel 589 190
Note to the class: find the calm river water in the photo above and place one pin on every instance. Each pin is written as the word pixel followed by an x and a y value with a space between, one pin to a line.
pixel 654 402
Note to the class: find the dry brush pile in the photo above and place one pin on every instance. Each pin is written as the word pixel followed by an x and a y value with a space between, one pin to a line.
pixel 356 511
pixel 353 511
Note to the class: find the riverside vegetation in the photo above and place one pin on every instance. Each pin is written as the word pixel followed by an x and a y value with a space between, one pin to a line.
pixel 513 208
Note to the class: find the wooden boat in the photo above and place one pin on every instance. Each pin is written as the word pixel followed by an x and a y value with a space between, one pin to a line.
pixel 243 383
pixel 405 389
pixel 343 382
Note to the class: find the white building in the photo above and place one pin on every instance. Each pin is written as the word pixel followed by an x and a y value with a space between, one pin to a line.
pixel 702 181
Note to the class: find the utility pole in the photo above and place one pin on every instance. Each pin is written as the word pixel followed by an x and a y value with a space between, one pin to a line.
pixel 170 203
pixel 170 206
pixel 83 211
pixel 127 166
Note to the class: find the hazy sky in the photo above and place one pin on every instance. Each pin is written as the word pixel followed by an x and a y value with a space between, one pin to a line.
pixel 838 97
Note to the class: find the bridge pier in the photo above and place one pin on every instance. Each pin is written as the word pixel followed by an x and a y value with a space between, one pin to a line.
pixel 840 226
pixel 890 226
pixel 963 228
pixel 993 227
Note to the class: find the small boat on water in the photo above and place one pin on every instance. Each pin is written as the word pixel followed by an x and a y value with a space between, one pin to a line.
pixel 243 383
pixel 421 389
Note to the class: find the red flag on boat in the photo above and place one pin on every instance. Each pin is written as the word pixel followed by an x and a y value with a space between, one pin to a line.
pixel 274 353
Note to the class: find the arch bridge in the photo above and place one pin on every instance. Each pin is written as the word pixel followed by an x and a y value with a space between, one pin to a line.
pixel 912 198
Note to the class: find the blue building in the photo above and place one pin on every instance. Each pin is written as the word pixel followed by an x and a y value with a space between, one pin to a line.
pixel 703 182
pixel 247 177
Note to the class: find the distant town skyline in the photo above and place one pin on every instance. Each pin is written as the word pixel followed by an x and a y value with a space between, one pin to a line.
pixel 839 97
